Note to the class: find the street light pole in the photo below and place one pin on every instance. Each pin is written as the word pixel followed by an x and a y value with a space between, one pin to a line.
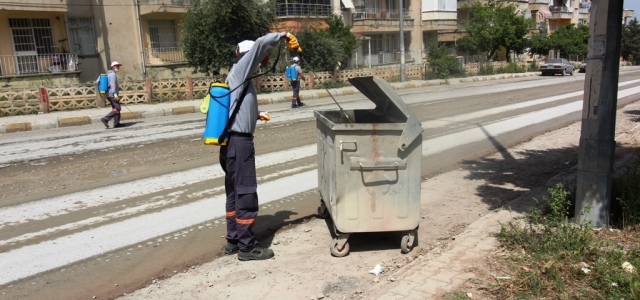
pixel 402 76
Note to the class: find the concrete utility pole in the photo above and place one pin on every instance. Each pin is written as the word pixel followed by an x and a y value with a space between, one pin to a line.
pixel 597 144
pixel 402 76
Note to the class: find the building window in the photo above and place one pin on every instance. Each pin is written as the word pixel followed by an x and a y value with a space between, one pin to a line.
pixel 32 35
pixel 82 38
pixel 163 35
pixel 376 44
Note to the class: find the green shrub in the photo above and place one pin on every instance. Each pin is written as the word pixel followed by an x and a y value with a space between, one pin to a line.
pixel 486 69
pixel 625 199
pixel 330 85
pixel 552 255
pixel 443 65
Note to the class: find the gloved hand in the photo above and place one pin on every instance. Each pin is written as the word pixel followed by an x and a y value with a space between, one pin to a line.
pixel 264 116
pixel 292 42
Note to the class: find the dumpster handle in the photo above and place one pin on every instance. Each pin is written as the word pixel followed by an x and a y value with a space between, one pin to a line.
pixel 341 142
pixel 377 164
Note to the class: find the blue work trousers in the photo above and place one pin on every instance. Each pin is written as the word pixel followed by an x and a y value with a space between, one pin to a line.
pixel 238 162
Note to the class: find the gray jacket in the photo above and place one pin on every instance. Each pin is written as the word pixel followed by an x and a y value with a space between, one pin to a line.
pixel 114 88
pixel 245 121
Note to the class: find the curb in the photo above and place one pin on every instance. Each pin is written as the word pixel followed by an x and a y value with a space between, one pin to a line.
pixel 265 100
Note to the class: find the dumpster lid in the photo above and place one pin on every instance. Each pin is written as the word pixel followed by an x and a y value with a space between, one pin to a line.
pixel 389 104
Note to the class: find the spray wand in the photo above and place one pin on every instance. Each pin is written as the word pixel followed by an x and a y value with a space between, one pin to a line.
pixel 326 89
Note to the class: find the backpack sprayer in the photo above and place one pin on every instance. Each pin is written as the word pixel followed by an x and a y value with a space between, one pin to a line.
pixel 103 87
pixel 218 121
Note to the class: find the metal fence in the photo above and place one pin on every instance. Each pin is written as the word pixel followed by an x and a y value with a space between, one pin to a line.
pixel 159 56
pixel 38 64
pixel 302 9
pixel 557 9
pixel 364 60
pixel 377 13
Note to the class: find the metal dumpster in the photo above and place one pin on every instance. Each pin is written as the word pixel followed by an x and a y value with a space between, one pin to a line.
pixel 369 167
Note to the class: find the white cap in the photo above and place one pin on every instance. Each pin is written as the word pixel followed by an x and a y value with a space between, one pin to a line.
pixel 296 59
pixel 115 63
pixel 244 46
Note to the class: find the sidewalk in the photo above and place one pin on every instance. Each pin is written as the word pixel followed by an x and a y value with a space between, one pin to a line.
pixel 42 121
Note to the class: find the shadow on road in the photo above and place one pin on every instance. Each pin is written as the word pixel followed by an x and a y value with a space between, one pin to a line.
pixel 516 172
pixel 634 112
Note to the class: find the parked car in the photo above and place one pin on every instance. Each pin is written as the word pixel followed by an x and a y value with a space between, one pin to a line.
pixel 583 67
pixel 556 66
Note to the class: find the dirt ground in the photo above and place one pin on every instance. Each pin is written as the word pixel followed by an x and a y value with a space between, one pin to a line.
pixel 303 268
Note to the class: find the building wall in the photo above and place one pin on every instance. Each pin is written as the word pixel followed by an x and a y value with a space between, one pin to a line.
pixel 117 37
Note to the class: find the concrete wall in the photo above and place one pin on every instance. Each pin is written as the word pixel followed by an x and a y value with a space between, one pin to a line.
pixel 40 80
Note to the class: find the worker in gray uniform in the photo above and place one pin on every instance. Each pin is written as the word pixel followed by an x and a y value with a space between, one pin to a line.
pixel 112 96
pixel 295 84
pixel 237 158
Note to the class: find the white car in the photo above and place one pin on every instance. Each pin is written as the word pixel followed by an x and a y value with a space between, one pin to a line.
pixel 556 66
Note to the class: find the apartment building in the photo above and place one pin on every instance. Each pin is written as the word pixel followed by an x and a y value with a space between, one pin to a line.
pixel 79 38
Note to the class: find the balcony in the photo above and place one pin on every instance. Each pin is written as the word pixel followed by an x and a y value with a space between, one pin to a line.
pixel 35 5
pixel 439 20
pixel 163 56
pixel 560 12
pixel 166 6
pixel 380 20
pixel 536 5
pixel 383 58
pixel 583 11
pixel 450 36
pixel 289 10
pixel 33 63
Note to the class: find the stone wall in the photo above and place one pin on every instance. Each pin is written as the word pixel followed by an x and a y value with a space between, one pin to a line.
pixel 46 98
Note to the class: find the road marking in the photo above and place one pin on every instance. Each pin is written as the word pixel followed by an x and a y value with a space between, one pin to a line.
pixel 34 259
pixel 42 209
pixel 47 255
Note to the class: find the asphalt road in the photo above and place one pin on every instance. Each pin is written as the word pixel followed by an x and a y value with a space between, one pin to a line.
pixel 91 212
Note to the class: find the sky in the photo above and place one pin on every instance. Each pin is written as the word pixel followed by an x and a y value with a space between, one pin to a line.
pixel 634 5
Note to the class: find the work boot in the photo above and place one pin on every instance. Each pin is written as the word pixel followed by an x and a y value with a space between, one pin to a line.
pixel 294 104
pixel 230 248
pixel 105 122
pixel 300 104
pixel 257 253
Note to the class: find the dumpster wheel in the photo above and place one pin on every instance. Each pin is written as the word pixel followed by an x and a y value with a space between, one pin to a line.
pixel 323 212
pixel 406 245
pixel 335 248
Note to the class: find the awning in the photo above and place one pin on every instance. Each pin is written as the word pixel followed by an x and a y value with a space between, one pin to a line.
pixel 544 14
pixel 348 4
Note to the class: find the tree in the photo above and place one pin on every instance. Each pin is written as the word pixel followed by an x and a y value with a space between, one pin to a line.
pixel 339 31
pixel 630 47
pixel 211 29
pixel 538 44
pixel 327 48
pixel 492 26
pixel 570 40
